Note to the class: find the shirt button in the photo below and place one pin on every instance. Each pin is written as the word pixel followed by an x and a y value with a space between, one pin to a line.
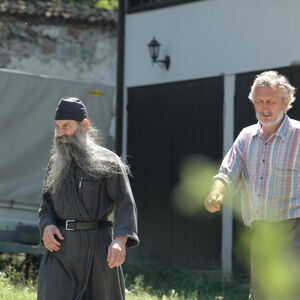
pixel 263 160
pixel 266 144
pixel 261 177
pixel 259 195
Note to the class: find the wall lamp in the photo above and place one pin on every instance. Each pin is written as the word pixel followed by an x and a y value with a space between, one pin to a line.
pixel 154 46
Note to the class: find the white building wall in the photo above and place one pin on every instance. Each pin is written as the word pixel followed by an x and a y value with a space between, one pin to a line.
pixel 210 38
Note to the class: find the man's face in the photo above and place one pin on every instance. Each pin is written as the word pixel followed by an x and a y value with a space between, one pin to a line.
pixel 269 105
pixel 66 128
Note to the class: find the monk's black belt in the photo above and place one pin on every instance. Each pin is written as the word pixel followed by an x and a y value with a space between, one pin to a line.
pixel 84 225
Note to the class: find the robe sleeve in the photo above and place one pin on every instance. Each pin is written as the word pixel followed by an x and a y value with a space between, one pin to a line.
pixel 46 213
pixel 119 190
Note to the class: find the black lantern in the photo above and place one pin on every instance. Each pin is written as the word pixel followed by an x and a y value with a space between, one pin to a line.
pixel 154 53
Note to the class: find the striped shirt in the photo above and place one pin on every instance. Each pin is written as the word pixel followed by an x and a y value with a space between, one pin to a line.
pixel 267 171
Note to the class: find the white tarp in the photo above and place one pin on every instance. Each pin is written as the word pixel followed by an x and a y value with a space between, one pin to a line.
pixel 27 109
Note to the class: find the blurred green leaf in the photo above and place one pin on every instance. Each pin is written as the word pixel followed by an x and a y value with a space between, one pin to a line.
pixel 107 4
pixel 195 182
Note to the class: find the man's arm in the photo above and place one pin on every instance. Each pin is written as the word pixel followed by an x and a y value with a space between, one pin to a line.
pixel 125 228
pixel 47 220
pixel 229 173
pixel 119 190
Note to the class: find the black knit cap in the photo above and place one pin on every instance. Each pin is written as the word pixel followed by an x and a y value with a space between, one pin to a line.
pixel 70 108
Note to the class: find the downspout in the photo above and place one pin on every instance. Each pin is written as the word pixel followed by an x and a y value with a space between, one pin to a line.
pixel 120 77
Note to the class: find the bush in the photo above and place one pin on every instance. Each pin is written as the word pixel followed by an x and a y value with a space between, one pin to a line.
pixel 20 268
pixel 184 283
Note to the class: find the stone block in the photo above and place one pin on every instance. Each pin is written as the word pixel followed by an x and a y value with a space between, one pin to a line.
pixel 73 32
pixel 52 32
pixel 87 54
pixel 69 50
pixel 32 33
pixel 48 46
pixel 4 59
pixel 4 27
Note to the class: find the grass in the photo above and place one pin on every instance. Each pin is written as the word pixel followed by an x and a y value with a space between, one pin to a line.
pixel 143 282
pixel 10 290
pixel 177 283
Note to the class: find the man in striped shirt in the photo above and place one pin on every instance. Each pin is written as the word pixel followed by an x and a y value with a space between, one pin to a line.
pixel 264 162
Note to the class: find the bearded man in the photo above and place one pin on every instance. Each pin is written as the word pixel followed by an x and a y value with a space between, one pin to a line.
pixel 84 183
pixel 264 161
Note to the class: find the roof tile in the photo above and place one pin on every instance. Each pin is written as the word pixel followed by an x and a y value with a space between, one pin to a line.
pixel 59 13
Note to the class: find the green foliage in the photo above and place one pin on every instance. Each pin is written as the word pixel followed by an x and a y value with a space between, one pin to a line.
pixel 195 182
pixel 107 4
pixel 18 275
pixel 276 260
pixel 104 4
pixel 178 283
pixel 9 291
pixel 20 268
pixel 143 282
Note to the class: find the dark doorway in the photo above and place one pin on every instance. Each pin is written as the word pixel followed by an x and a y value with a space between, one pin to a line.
pixel 166 124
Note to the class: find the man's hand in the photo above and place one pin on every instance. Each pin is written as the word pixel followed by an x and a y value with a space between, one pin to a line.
pixel 117 251
pixel 49 239
pixel 215 198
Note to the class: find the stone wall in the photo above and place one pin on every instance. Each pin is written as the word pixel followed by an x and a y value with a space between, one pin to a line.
pixel 59 50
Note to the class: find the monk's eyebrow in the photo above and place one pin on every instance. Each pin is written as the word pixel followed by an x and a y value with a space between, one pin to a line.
pixel 66 124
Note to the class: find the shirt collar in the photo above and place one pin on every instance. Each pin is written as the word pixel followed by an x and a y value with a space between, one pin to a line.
pixel 281 131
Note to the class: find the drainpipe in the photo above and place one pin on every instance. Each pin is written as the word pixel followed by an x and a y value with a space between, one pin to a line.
pixel 120 77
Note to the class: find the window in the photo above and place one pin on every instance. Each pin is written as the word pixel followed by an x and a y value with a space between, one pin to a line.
pixel 140 5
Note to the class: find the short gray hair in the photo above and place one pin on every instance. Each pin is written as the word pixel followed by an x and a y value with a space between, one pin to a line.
pixel 273 79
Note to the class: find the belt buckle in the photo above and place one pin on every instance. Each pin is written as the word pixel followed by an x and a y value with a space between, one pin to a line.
pixel 67 223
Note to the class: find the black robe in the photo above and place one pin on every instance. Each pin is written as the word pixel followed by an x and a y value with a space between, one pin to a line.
pixel 79 269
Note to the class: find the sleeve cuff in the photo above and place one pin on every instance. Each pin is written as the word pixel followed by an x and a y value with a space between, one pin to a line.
pixel 223 178
pixel 132 241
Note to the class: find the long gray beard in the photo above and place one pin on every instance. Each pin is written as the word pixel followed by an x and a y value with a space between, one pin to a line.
pixel 83 149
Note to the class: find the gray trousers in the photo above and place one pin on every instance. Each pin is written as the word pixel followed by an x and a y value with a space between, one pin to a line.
pixel 275 260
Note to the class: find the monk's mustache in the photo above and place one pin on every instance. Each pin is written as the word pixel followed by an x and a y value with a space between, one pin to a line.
pixel 64 139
